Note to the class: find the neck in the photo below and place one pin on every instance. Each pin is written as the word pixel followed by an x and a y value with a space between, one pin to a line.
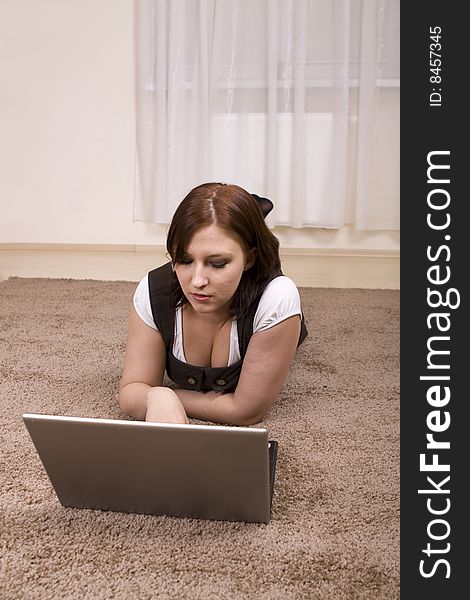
pixel 219 317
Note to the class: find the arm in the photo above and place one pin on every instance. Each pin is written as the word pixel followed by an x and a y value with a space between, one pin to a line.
pixel 144 365
pixel 267 361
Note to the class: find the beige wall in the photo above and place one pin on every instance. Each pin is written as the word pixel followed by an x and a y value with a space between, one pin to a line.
pixel 67 131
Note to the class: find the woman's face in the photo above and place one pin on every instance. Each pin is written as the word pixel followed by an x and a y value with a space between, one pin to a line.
pixel 211 269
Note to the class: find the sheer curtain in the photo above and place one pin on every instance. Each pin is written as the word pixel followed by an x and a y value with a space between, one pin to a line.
pixel 296 100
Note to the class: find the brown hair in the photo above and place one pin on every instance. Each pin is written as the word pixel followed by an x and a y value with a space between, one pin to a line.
pixel 233 208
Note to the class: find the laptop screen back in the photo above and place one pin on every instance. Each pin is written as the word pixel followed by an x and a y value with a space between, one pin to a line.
pixel 196 471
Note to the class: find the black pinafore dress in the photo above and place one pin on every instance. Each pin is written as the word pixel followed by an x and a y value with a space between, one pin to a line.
pixel 201 379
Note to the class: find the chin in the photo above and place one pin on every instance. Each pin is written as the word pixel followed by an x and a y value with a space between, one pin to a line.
pixel 202 307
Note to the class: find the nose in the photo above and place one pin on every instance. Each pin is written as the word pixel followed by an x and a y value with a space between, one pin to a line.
pixel 199 276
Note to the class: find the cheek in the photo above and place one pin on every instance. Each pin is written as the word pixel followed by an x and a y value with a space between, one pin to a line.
pixel 233 279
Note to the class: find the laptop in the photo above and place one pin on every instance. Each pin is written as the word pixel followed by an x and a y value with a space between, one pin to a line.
pixel 195 471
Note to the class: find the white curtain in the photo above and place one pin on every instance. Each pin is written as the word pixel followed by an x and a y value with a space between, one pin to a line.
pixel 296 100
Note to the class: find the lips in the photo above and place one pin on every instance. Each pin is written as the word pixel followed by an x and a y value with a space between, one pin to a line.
pixel 201 297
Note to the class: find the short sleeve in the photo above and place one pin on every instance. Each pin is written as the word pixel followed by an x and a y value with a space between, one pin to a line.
pixel 142 303
pixel 280 300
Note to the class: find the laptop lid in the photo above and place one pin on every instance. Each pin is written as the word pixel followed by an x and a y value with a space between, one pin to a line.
pixel 195 471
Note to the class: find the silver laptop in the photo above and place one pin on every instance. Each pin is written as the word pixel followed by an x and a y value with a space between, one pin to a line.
pixel 195 471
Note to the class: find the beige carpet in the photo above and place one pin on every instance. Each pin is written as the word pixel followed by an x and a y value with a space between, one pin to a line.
pixel 335 527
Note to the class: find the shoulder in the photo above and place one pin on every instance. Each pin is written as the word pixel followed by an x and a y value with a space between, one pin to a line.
pixel 157 308
pixel 160 278
pixel 141 302
pixel 279 301
pixel 281 285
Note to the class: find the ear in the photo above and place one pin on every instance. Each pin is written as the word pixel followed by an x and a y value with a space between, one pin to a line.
pixel 250 259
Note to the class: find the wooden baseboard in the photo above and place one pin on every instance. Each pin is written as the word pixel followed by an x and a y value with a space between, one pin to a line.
pixel 308 267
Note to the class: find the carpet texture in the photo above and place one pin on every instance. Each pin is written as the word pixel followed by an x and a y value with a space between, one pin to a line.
pixel 334 532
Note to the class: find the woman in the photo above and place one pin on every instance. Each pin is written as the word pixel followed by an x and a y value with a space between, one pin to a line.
pixel 221 318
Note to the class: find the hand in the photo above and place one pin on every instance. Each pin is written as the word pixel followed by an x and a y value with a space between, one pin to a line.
pixel 164 406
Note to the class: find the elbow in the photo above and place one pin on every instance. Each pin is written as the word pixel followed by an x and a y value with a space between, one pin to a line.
pixel 124 408
pixel 249 413
pixel 127 404
pixel 243 419
pixel 250 421
pixel 120 399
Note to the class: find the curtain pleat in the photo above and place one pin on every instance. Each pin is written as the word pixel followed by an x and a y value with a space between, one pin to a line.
pixel 293 100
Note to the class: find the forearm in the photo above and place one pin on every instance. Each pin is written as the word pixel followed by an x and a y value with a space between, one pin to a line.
pixel 265 367
pixel 213 406
pixel 151 403
pixel 133 399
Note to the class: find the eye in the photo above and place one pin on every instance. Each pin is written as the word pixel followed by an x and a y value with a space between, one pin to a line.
pixel 218 265
pixel 185 261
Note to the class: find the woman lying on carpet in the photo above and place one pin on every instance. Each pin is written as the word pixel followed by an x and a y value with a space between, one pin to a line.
pixel 220 318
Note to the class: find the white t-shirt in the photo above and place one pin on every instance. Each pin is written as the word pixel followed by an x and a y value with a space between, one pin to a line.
pixel 279 301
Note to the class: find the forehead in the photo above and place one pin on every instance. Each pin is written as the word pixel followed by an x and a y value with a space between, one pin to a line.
pixel 214 239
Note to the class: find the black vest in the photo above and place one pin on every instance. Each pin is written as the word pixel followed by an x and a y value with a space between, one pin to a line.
pixel 201 379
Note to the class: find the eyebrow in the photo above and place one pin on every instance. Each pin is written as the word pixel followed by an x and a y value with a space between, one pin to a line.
pixel 219 255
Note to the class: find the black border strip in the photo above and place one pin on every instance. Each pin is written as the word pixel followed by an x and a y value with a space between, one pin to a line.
pixel 433 131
